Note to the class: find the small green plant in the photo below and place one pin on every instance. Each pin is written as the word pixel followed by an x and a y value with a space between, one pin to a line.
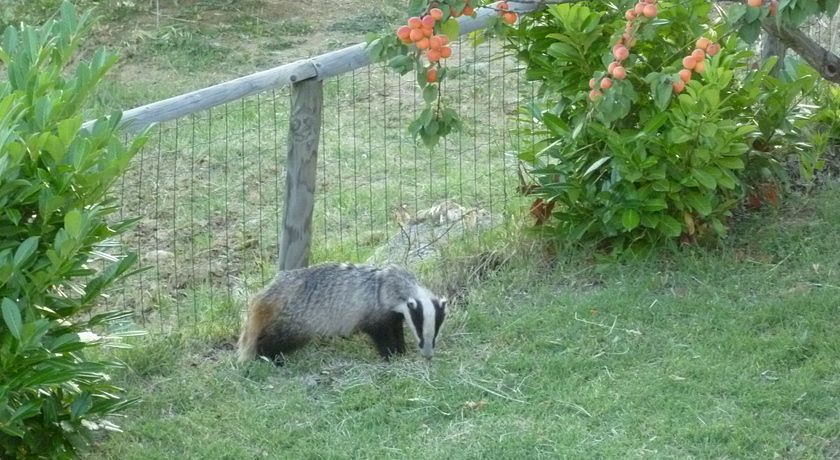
pixel 55 177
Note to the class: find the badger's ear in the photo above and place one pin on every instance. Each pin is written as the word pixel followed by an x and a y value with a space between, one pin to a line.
pixel 443 302
pixel 411 303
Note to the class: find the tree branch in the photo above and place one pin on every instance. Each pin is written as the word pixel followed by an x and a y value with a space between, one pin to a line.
pixel 821 59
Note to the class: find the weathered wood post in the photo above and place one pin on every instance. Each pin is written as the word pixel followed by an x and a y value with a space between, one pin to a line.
pixel 301 167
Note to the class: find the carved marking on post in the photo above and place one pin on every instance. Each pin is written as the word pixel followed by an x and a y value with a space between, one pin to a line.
pixel 301 166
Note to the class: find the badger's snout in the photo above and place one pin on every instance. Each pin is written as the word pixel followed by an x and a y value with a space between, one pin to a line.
pixel 427 351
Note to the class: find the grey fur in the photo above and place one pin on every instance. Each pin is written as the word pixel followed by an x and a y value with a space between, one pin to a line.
pixel 336 300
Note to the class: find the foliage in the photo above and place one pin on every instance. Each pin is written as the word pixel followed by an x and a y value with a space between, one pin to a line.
pixel 747 19
pixel 786 125
pixel 56 213
pixel 648 162
pixel 641 164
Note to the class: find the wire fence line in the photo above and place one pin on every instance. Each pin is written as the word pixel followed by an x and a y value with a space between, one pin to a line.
pixel 209 186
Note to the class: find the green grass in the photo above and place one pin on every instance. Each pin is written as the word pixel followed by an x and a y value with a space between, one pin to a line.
pixel 727 353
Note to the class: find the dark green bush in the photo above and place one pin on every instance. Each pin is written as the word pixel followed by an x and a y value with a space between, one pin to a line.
pixel 55 213
pixel 644 165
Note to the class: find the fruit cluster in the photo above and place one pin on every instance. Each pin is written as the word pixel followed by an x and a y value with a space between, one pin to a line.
pixel 421 32
pixel 504 10
pixel 774 5
pixel 696 61
pixel 621 50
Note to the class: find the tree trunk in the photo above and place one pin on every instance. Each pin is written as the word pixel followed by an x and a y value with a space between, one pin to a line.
pixel 824 61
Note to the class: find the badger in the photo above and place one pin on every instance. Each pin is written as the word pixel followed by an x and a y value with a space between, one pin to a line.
pixel 339 300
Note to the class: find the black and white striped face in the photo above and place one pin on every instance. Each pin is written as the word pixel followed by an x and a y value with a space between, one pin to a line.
pixel 424 315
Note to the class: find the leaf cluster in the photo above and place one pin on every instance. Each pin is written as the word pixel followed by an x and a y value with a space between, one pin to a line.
pixel 56 215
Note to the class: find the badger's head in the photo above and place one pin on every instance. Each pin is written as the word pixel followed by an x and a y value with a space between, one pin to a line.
pixel 424 314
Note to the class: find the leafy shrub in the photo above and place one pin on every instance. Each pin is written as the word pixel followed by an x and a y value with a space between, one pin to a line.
pixel 642 164
pixel 55 212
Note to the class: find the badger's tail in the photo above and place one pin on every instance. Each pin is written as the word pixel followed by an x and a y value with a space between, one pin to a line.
pixel 260 314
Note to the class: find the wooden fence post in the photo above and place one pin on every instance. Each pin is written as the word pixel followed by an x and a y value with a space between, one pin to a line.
pixel 301 166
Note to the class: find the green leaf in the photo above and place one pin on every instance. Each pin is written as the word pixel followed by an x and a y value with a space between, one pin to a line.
pixel 669 226
pixel 73 223
pixel 708 130
pixel 752 14
pixel 11 316
pixel 662 88
pixel 736 12
pixel 749 32
pixel 80 405
pixel 451 28
pixel 25 250
pixel 630 219
pixel 654 204
pixel 705 179
pixel 596 165
pixel 699 202
pixel 730 162
pixel 430 93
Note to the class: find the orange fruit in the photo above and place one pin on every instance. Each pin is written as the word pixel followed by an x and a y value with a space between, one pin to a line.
pixel 679 86
pixel 503 6
pixel 415 35
pixel 639 8
pixel 428 22
pixel 433 55
pixel 606 83
pixel 591 83
pixel 612 67
pixel 621 53
pixel 404 32
pixel 689 62
pixel 619 73
pixel 594 95
pixel 435 42
pixel 509 17
pixel 650 10
pixel 700 67
pixel 423 43
pixel 431 75
pixel 650 2
pixel 469 11
pixel 444 40
pixel 445 52
pixel 415 23
pixel 428 31
pixel 630 15
pixel 685 75
pixel 713 49
pixel 698 54
pixel 436 13
pixel 754 3
pixel 703 43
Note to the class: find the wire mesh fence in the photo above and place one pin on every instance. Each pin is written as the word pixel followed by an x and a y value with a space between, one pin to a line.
pixel 209 187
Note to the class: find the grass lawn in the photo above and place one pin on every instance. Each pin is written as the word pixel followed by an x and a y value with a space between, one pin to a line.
pixel 727 353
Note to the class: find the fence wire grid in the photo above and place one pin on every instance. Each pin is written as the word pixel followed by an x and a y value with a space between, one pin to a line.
pixel 209 187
